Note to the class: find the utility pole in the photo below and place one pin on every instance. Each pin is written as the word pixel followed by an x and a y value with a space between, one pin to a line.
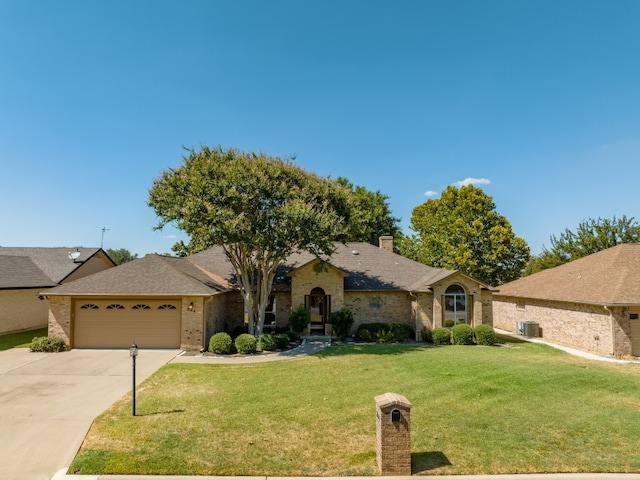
pixel 104 229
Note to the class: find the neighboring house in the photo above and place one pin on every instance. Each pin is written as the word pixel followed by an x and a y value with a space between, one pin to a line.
pixel 592 304
pixel 167 302
pixel 26 271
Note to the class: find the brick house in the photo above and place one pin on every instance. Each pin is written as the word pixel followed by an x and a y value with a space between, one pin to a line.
pixel 167 302
pixel 591 304
pixel 26 271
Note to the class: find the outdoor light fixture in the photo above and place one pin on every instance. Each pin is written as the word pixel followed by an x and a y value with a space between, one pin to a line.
pixel 190 308
pixel 133 352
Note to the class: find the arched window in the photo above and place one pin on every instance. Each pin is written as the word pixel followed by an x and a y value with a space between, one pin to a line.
pixel 89 306
pixel 167 306
pixel 141 306
pixel 115 306
pixel 455 306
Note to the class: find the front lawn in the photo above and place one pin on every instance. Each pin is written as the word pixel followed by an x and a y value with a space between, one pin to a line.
pixel 519 408
pixel 20 340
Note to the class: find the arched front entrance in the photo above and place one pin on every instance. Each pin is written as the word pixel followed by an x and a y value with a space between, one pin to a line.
pixel 455 306
pixel 319 306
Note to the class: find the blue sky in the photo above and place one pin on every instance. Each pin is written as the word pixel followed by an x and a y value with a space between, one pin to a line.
pixel 538 99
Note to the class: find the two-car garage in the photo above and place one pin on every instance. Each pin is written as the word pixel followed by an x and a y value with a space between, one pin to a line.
pixel 118 323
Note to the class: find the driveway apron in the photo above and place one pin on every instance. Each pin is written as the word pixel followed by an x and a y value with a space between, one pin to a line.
pixel 49 400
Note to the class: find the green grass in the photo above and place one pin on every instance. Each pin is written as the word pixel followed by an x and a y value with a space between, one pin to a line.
pixel 520 408
pixel 20 340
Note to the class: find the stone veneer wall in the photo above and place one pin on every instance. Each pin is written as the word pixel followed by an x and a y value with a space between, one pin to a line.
pixel 22 310
pixel 591 328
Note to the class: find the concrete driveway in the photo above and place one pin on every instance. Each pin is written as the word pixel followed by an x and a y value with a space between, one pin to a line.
pixel 49 400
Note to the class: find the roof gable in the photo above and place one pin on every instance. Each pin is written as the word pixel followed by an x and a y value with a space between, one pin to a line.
pixel 56 263
pixel 608 277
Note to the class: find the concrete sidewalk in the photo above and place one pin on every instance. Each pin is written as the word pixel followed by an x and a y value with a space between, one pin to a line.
pixel 533 476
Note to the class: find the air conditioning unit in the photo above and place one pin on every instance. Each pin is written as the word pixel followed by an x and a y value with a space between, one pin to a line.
pixel 530 329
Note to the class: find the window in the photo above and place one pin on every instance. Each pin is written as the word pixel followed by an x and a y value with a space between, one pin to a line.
pixel 89 306
pixel 141 306
pixel 270 312
pixel 455 306
pixel 166 306
pixel 115 306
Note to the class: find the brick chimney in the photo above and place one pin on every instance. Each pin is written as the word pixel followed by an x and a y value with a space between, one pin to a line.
pixel 386 242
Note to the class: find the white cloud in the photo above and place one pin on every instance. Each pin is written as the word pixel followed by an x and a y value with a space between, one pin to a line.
pixel 473 181
pixel 430 193
pixel 170 237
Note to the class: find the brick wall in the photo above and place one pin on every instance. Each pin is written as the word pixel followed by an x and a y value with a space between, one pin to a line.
pixel 60 311
pixel 192 331
pixel 591 328
pixel 367 307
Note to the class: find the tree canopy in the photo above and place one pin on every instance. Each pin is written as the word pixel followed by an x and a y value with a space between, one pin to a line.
pixel 462 231
pixel 121 255
pixel 590 236
pixel 259 208
pixel 370 215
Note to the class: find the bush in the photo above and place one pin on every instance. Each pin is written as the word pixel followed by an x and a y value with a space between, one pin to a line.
pixel 246 343
pixel 293 336
pixel 485 335
pixel 427 335
pixel 462 334
pixel 385 337
pixel 363 334
pixel 282 341
pixel 449 323
pixel 342 321
pixel 299 319
pixel 267 342
pixel 47 344
pixel 220 343
pixel 441 336
pixel 401 332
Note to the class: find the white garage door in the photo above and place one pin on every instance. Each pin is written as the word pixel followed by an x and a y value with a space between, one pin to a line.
pixel 117 324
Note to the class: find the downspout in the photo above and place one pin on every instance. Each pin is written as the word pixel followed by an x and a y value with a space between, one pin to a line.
pixel 414 316
pixel 613 341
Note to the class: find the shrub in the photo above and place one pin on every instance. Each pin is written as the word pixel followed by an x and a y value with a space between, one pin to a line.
pixel 441 336
pixel 462 334
pixel 401 332
pixel 267 342
pixel 427 335
pixel 485 335
pixel 220 343
pixel 342 321
pixel 363 334
pixel 47 344
pixel 282 341
pixel 449 323
pixel 299 319
pixel 293 336
pixel 385 337
pixel 246 343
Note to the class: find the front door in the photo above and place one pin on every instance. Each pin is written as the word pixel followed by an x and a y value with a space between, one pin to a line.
pixel 318 306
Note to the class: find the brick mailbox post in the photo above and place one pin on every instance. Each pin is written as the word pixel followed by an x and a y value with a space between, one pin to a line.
pixel 393 434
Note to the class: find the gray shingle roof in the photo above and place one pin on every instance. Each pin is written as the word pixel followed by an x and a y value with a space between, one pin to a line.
pixel 21 272
pixel 609 277
pixel 54 262
pixel 150 275
pixel 367 267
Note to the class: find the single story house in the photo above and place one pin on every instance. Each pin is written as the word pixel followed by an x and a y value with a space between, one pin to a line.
pixel 168 302
pixel 591 304
pixel 26 271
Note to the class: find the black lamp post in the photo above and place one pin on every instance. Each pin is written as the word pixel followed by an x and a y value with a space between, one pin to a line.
pixel 133 351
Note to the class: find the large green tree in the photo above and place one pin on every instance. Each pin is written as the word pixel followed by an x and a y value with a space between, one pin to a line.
pixel 591 236
pixel 259 208
pixel 462 231
pixel 370 214
pixel 121 255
